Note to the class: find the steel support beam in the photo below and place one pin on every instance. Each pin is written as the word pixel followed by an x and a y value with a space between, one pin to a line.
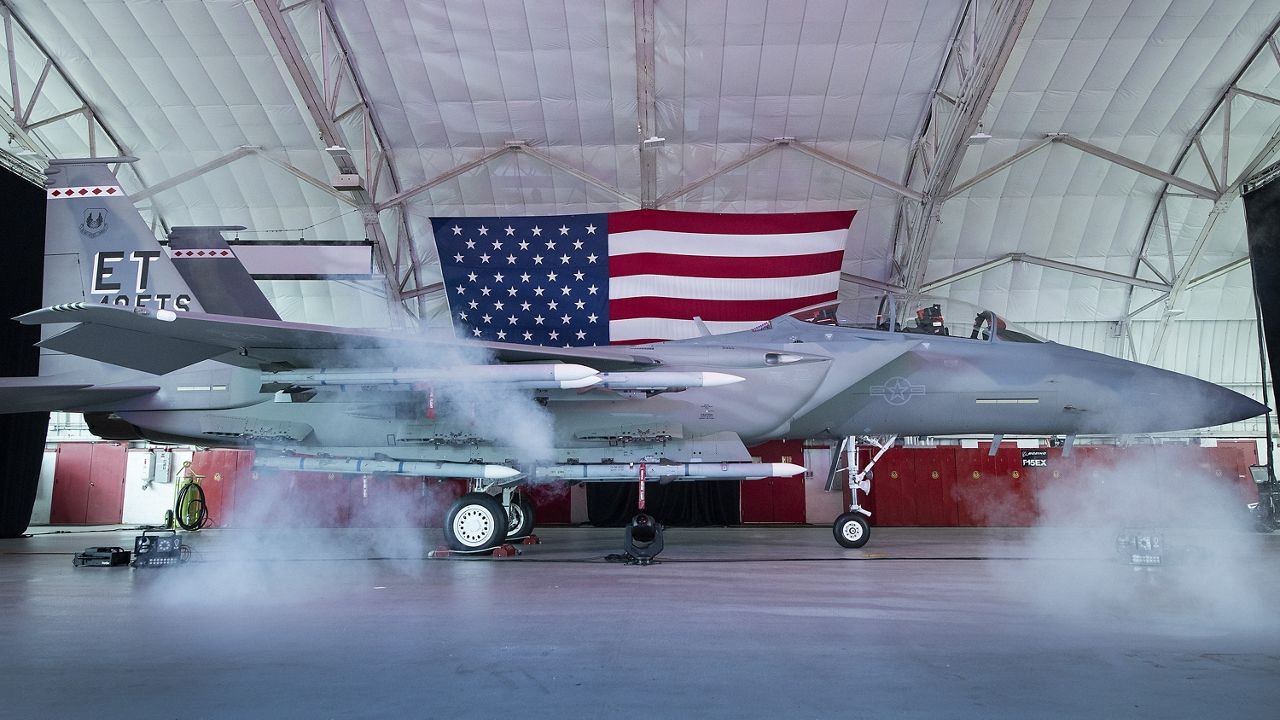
pixel 1257 96
pixel 991 49
pixel 428 290
pixel 1043 262
pixel 575 172
pixel 330 134
pixel 322 185
pixel 1218 272
pixel 1092 272
pixel 13 62
pixel 646 103
pixel 884 182
pixel 445 176
pixel 85 107
pixel 1043 143
pixel 176 180
pixel 868 282
pixel 718 172
pixel 1183 281
pixel 970 272
pixel 35 93
pixel 1134 165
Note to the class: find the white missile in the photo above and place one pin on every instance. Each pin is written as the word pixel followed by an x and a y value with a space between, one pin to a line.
pixel 427 468
pixel 676 471
pixel 661 380
pixel 539 375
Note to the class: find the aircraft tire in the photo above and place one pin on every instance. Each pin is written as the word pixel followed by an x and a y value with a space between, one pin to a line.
pixel 852 530
pixel 520 518
pixel 476 521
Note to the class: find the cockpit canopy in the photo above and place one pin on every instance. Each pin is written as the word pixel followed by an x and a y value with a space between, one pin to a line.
pixel 924 315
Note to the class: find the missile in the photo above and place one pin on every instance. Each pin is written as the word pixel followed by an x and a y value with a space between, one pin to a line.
pixel 677 471
pixel 527 375
pixel 661 380
pixel 427 468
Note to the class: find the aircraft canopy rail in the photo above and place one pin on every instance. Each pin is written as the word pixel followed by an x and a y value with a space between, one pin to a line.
pixel 922 316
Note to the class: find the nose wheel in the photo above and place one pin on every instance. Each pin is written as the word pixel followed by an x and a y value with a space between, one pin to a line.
pixel 852 530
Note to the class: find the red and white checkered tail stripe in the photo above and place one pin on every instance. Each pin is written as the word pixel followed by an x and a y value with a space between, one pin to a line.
pixel 90 191
pixel 201 253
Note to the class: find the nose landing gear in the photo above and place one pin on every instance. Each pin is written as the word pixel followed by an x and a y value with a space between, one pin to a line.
pixel 851 529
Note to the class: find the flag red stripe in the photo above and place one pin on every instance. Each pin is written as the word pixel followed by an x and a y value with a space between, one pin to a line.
pixel 729 224
pixel 710 310
pixel 724 267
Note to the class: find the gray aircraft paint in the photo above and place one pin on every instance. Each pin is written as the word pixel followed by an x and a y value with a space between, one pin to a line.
pixel 801 380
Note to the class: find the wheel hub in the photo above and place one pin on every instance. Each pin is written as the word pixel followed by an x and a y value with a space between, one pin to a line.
pixel 852 531
pixel 473 525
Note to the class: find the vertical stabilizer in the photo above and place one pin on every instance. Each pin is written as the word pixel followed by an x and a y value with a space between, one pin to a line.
pixel 214 274
pixel 98 249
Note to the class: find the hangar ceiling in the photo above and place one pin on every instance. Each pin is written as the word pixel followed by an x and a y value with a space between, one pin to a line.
pixel 1059 162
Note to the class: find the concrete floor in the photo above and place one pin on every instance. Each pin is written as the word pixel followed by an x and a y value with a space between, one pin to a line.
pixel 747 622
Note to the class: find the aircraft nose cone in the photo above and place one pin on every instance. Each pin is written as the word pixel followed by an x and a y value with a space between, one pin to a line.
pixel 1185 403
pixel 1228 406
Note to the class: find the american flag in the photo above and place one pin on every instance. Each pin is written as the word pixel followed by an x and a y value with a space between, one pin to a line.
pixel 634 277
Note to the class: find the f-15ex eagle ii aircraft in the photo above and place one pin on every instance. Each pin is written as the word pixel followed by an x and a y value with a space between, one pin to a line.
pixel 177 344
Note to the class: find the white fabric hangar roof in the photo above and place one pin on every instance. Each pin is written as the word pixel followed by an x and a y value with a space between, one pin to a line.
pixel 1101 196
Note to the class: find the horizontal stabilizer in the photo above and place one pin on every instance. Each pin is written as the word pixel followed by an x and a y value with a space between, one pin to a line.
pixel 134 349
pixel 35 394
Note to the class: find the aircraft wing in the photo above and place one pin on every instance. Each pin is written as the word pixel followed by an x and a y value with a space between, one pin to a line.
pixel 162 341
pixel 37 394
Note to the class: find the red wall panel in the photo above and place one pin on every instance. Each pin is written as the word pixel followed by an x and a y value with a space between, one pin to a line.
pixel 551 503
pixel 88 484
pixel 222 470
pixel 106 483
pixel 70 501
pixel 964 486
pixel 775 499
pixel 934 473
pixel 993 491
pixel 399 501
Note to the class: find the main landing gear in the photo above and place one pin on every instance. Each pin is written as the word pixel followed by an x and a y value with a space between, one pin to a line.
pixel 479 521
pixel 852 529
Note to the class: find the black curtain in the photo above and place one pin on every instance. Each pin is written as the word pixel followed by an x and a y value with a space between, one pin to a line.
pixel 676 504
pixel 22 435
pixel 1262 220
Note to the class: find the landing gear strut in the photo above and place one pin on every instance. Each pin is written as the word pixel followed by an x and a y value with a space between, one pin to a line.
pixel 851 529
pixel 520 517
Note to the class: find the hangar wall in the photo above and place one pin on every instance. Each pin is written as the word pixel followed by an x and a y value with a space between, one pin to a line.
pixel 951 486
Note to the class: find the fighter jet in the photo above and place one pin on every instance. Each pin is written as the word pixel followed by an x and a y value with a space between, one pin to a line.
pixel 176 344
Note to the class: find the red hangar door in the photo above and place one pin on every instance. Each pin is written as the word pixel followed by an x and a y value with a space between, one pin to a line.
pixel 88 484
